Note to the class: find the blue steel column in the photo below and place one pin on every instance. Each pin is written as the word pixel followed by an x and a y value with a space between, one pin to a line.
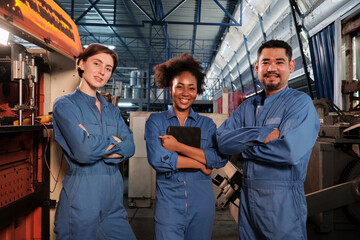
pixel 231 81
pixel 262 27
pixel 250 64
pixel 72 9
pixel 238 69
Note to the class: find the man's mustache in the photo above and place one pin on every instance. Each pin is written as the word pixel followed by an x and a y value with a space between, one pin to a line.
pixel 271 73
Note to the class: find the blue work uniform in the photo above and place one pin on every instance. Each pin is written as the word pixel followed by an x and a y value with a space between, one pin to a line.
pixel 91 201
pixel 272 200
pixel 185 202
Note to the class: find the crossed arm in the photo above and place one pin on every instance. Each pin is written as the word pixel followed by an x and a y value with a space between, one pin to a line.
pixel 191 157
pixel 113 155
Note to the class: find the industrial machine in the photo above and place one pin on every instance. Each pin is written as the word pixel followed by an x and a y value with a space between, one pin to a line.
pixel 42 43
pixel 24 182
pixel 333 180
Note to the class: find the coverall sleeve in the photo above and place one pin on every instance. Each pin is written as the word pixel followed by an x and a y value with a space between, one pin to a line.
pixel 214 159
pixel 159 158
pixel 126 147
pixel 298 132
pixel 232 138
pixel 74 140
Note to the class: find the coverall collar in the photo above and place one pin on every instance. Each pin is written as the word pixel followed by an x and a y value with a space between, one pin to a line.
pixel 171 113
pixel 261 99
pixel 92 100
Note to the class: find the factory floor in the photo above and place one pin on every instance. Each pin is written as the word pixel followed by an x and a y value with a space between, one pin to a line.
pixel 142 223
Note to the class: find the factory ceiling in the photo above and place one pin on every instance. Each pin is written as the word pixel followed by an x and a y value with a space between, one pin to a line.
pixel 223 34
pixel 147 32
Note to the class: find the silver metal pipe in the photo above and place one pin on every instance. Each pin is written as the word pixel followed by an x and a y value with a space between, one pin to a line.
pixel 32 82
pixel 22 74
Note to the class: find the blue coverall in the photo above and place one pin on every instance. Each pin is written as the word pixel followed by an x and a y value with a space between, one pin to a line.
pixel 272 200
pixel 91 201
pixel 185 202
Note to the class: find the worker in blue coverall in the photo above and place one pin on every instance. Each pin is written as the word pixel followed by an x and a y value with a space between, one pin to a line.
pixel 275 132
pixel 185 202
pixel 94 139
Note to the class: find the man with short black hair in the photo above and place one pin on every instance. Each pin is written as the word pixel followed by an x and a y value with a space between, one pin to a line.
pixel 275 132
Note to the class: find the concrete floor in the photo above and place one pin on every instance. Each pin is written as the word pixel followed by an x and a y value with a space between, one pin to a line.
pixel 142 223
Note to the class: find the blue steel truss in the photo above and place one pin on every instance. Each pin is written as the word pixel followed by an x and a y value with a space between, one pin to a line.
pixel 144 52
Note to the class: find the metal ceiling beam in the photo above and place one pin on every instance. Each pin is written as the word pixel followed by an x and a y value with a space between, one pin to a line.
pixel 142 10
pixel 113 31
pixel 166 33
pixel 226 12
pixel 86 11
pixel 160 23
pixel 153 8
pixel 133 20
pixel 172 10
pixel 198 19
pixel 114 15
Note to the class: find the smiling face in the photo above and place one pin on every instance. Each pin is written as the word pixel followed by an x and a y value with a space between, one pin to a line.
pixel 97 71
pixel 273 68
pixel 183 91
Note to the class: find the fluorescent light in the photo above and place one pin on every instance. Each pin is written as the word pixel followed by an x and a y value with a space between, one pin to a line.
pixel 4 36
pixel 125 104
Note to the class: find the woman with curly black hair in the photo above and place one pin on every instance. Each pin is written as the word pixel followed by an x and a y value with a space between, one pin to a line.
pixel 185 203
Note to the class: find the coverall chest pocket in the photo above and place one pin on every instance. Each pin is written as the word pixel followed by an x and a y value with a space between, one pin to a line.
pixel 93 128
pixel 273 122
pixel 111 129
pixel 204 139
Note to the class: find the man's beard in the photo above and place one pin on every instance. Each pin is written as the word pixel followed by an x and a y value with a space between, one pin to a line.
pixel 272 86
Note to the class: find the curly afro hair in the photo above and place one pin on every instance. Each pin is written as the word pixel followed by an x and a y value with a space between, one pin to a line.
pixel 167 71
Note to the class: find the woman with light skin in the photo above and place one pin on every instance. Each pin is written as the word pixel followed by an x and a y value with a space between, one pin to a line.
pixel 185 203
pixel 94 139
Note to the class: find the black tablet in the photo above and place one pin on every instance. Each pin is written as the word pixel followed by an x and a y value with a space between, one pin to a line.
pixel 190 136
